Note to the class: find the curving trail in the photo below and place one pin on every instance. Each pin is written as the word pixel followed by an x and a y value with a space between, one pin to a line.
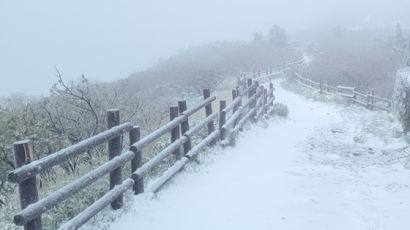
pixel 325 167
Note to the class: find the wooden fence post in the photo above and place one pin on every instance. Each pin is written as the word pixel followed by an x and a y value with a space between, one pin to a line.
pixel 24 154
pixel 174 113
pixel 321 86
pixel 135 136
pixel 222 118
pixel 265 100
pixel 238 93
pixel 250 93
pixel 371 99
pixel 368 100
pixel 354 97
pixel 184 125
pixel 114 149
pixel 235 108
pixel 208 110
pixel 255 91
pixel 271 94
pixel 234 95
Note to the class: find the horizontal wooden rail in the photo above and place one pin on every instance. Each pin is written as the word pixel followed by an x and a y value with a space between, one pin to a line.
pixel 244 92
pixel 156 134
pixel 380 107
pixel 348 95
pixel 382 99
pixel 351 93
pixel 174 169
pixel 97 206
pixel 63 155
pixel 360 94
pixel 232 119
pixel 209 139
pixel 201 125
pixel 168 127
pixel 250 101
pixel 233 104
pixel 359 102
pixel 270 101
pixel 50 201
pixel 144 169
pixel 244 119
pixel 345 87
pixel 201 105
pixel 166 176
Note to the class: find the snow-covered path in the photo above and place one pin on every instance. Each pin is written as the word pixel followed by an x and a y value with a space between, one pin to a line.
pixel 316 170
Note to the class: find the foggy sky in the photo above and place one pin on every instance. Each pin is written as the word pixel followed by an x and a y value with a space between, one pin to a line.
pixel 108 40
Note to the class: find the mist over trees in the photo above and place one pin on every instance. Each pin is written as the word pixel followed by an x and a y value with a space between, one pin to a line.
pixel 365 58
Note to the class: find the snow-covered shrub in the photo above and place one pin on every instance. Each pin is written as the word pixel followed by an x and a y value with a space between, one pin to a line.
pixel 400 98
pixel 232 138
pixel 280 109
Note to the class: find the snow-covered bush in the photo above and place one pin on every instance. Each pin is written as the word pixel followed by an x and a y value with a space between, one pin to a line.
pixel 280 109
pixel 232 138
pixel 400 98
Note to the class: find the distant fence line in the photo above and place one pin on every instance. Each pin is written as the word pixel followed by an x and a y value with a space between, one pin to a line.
pixel 231 118
pixel 367 100
pixel 276 70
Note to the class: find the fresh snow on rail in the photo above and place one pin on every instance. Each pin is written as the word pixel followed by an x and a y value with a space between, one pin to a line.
pixel 327 166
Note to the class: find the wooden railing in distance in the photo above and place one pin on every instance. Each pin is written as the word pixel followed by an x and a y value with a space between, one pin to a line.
pixel 368 100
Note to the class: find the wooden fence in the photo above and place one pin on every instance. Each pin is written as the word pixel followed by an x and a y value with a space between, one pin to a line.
pixel 231 117
pixel 368 100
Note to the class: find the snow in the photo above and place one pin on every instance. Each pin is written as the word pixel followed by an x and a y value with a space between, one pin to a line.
pixel 307 58
pixel 327 166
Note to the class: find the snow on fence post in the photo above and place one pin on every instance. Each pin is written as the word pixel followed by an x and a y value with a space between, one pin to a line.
pixel 250 93
pixel 371 99
pixel 254 91
pixel 321 86
pixel 255 102
pixel 234 95
pixel 238 93
pixel 327 86
pixel 265 100
pixel 184 125
pixel 24 154
pixel 114 149
pixel 354 97
pixel 135 136
pixel 222 119
pixel 208 111
pixel 368 99
pixel 271 92
pixel 175 134
pixel 235 108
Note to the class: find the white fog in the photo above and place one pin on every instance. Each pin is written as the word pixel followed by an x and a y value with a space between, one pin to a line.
pixel 213 115
pixel 107 40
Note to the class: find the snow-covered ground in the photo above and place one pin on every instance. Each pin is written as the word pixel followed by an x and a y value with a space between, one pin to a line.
pixel 326 167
